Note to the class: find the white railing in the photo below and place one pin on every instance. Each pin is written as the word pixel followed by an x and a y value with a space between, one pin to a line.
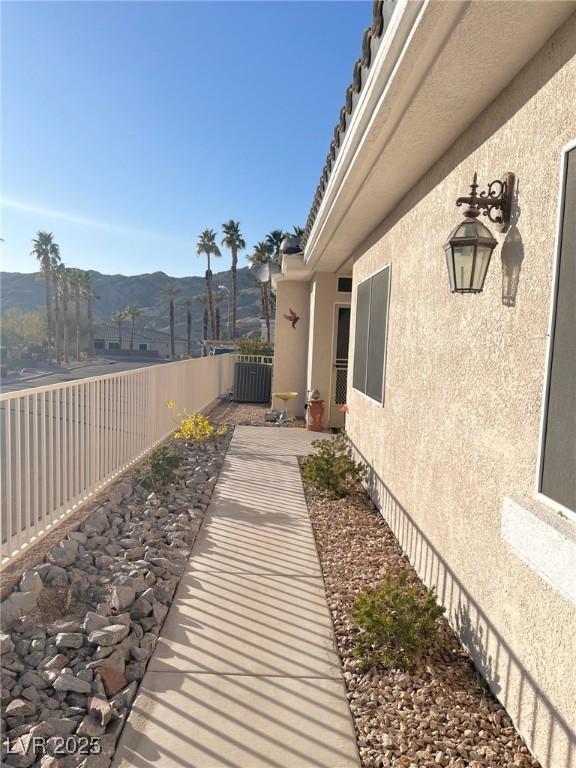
pixel 62 443
pixel 265 359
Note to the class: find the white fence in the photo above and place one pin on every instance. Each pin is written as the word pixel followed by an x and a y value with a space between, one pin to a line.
pixel 264 359
pixel 62 443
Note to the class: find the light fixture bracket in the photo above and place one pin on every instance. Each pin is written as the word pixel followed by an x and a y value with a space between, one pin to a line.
pixel 495 201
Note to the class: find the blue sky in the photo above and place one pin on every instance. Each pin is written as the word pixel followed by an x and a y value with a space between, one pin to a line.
pixel 128 127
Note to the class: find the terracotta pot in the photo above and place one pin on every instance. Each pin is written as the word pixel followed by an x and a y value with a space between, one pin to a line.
pixel 315 414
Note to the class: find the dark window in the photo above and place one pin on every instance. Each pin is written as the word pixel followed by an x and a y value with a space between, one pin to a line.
pixel 143 347
pixel 113 345
pixel 99 345
pixel 558 475
pixel 344 285
pixel 370 335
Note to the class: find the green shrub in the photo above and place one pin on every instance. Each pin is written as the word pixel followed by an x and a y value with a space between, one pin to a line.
pixel 254 347
pixel 161 469
pixel 398 622
pixel 332 467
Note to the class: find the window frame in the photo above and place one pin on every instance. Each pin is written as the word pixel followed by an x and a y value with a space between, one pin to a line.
pixel 382 400
pixel 570 513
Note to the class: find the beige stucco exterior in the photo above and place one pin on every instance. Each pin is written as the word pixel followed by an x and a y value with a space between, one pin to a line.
pixel 458 432
pixel 460 424
pixel 289 374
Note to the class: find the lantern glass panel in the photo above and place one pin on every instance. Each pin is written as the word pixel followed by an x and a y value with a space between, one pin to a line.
pixel 463 257
pixel 483 253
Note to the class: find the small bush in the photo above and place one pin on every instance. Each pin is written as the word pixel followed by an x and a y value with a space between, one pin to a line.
pixel 398 623
pixel 161 469
pixel 332 468
pixel 254 347
pixel 197 427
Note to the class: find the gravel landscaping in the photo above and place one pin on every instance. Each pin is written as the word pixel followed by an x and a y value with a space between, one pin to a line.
pixel 439 713
pixel 80 627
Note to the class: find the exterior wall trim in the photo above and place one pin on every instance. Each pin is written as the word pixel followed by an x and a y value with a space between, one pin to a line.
pixel 540 541
pixel 550 340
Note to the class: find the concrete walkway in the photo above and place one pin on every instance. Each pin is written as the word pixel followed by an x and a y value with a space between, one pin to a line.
pixel 245 674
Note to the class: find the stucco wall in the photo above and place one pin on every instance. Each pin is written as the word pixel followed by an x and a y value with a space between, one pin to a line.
pixel 291 344
pixel 459 428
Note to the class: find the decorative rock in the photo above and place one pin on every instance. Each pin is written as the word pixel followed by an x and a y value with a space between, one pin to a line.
pixel 100 708
pixel 110 635
pixel 20 708
pixel 31 581
pixel 90 726
pixel 124 698
pixel 6 644
pixel 159 612
pixel 57 662
pixel 30 693
pixel 56 576
pixel 112 679
pixel 33 679
pixel 122 597
pixel 63 554
pixel 69 640
pixel 93 621
pixel 67 682
pixel 140 608
pixel 78 536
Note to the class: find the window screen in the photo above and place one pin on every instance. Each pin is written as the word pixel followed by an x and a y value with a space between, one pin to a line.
pixel 344 285
pixel 558 480
pixel 370 335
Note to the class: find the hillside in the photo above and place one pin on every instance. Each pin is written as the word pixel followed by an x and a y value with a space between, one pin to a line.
pixel 26 291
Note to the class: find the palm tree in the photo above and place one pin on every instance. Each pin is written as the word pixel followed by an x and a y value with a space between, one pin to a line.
pixel 234 241
pixel 47 252
pixel 207 245
pixel 274 239
pixel 203 301
pixel 262 255
pixel 75 280
pixel 57 272
pixel 132 312
pixel 188 304
pixel 171 292
pixel 297 232
pixel 64 286
pixel 88 294
pixel 118 318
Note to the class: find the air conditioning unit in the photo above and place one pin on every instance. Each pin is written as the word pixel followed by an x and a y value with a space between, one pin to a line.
pixel 252 382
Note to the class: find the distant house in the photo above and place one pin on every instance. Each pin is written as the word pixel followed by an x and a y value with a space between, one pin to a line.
pixel 148 342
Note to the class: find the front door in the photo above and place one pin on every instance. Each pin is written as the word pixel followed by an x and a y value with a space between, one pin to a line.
pixel 339 364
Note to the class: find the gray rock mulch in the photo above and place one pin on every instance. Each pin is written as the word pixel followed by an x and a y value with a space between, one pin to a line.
pixel 80 627
pixel 439 713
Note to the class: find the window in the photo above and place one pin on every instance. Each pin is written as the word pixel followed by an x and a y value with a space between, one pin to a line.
pixel 344 285
pixel 113 345
pixel 558 453
pixel 372 299
pixel 143 347
pixel 99 345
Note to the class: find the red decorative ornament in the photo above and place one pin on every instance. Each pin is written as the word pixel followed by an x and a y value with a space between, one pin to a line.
pixel 292 317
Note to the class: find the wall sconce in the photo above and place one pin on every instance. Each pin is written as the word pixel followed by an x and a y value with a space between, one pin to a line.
pixel 470 244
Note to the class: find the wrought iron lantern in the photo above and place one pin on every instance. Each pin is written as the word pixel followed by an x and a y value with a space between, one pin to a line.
pixel 470 244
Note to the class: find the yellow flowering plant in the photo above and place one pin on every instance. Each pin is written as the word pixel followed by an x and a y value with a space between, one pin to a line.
pixel 196 426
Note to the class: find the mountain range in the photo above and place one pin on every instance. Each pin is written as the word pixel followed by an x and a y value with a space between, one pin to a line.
pixel 26 291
